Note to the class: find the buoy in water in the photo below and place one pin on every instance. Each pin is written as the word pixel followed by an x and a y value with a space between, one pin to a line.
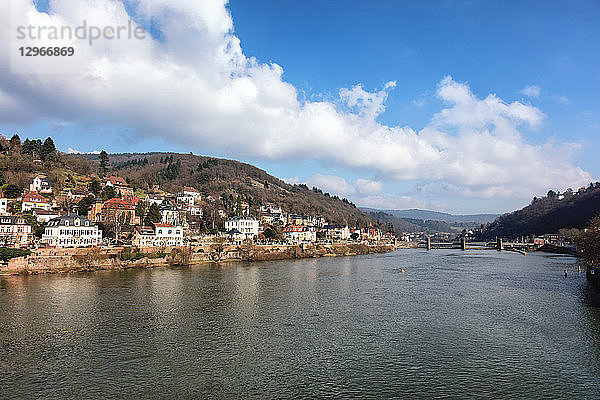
pixel 565 273
pixel 402 269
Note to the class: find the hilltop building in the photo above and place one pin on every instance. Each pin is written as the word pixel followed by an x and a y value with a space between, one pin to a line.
pixel 40 185
pixel 35 200
pixel 120 186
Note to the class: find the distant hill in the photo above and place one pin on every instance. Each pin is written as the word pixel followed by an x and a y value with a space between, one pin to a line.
pixel 222 177
pixel 412 224
pixel 548 215
pixel 437 216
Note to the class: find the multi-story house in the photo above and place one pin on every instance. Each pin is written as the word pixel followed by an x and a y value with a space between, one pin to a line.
pixel 40 185
pixel 300 234
pixel 270 209
pixel 95 211
pixel 158 235
pixel 195 210
pixel 120 185
pixel 35 200
pixel 170 214
pixel 245 224
pixel 15 231
pixel 76 194
pixel 118 211
pixel 152 198
pixel 189 195
pixel 337 232
pixel 71 231
pixel 45 215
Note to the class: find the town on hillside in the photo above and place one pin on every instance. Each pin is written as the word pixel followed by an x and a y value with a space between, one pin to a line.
pixel 101 209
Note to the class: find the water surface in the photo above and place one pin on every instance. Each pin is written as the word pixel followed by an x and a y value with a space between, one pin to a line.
pixel 475 324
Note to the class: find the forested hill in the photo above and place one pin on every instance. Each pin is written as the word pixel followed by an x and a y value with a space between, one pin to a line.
pixel 218 177
pixel 548 215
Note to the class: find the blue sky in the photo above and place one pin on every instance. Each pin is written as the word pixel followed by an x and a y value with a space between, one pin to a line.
pixel 542 55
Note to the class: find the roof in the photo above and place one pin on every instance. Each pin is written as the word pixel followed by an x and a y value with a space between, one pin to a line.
pixel 39 211
pixel 158 225
pixel 35 197
pixel 293 228
pixel 44 180
pixel 190 189
pixel 145 230
pixel 240 217
pixel 13 220
pixel 117 180
pixel 77 192
pixel 334 226
pixel 132 199
pixel 115 202
pixel 234 232
pixel 70 220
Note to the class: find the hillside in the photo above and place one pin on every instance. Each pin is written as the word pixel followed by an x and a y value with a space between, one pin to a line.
pixel 412 224
pixel 228 178
pixel 426 215
pixel 548 215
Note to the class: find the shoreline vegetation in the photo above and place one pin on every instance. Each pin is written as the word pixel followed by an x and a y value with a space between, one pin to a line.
pixel 44 261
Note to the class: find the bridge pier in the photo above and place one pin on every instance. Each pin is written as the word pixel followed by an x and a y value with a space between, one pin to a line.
pixel 428 243
pixel 463 243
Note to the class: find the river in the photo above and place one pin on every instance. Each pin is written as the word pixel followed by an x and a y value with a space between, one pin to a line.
pixel 474 324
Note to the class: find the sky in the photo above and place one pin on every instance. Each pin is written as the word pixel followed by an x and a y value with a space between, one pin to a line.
pixel 457 106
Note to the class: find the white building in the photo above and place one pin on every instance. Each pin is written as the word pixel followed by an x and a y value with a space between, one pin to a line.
pixel 45 215
pixel 71 231
pixel 270 209
pixel 245 224
pixel 300 234
pixel 194 210
pixel 337 232
pixel 41 185
pixel 154 199
pixel 189 195
pixel 14 231
pixel 170 215
pixel 158 235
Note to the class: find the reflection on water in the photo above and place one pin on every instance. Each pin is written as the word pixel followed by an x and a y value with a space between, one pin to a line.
pixel 477 324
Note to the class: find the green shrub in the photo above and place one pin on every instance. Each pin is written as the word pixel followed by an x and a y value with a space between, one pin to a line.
pixel 8 253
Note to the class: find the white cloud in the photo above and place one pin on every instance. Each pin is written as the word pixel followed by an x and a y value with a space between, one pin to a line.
pixel 199 89
pixel 531 91
pixel 367 104
pixel 332 184
pixel 73 151
pixel 386 201
pixel 368 186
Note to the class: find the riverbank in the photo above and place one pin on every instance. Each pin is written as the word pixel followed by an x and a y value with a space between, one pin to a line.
pixel 592 274
pixel 43 261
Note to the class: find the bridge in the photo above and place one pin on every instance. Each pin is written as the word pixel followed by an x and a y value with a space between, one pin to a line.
pixel 499 244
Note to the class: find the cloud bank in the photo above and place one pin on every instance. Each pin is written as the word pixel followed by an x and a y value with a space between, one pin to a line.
pixel 197 87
